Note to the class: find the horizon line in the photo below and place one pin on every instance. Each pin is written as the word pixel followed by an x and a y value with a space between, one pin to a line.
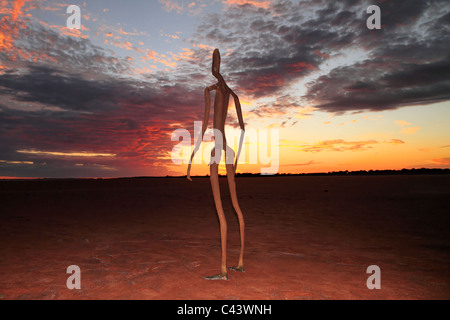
pixel 243 174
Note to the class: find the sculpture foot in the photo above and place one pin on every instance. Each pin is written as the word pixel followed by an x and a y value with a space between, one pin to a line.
pixel 237 268
pixel 220 276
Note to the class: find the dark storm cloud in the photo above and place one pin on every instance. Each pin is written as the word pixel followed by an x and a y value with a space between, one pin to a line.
pixel 408 63
pixel 351 89
pixel 274 48
pixel 403 12
pixel 73 92
pixel 76 97
pixel 129 118
pixel 54 87
pixel 267 51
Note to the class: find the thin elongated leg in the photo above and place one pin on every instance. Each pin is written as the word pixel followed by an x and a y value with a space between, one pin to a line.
pixel 234 199
pixel 214 169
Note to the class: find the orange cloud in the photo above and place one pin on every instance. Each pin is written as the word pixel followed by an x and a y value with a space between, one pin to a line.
pixel 205 47
pixel 170 5
pixel 150 55
pixel 186 54
pixel 410 130
pixel 125 33
pixel 16 162
pixel 17 9
pixel 173 36
pixel 168 63
pixel 256 3
pixel 402 123
pixel 433 148
pixel 155 57
pixel 9 32
pixel 440 161
pixel 63 30
pixel 66 154
pixel 10 26
pixel 18 178
pixel 124 45
pixel 144 70
pixel 312 162
pixel 395 141
pixel 5 40
pixel 407 130
pixel 338 145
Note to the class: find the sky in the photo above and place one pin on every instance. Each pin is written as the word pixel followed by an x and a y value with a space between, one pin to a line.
pixel 105 100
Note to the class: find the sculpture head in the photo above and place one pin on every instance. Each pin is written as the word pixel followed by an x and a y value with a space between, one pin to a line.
pixel 216 62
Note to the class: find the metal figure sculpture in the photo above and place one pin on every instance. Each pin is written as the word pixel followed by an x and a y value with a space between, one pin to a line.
pixel 222 97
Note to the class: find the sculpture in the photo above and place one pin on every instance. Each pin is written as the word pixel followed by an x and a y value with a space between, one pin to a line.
pixel 221 101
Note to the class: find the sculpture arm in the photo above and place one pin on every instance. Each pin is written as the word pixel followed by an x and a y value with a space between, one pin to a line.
pixel 237 104
pixel 204 126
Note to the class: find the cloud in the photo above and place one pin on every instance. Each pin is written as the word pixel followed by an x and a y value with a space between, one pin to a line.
pixel 285 105
pixel 95 119
pixel 64 99
pixel 433 148
pixel 16 162
pixel 269 51
pixel 408 63
pixel 407 130
pixel 402 123
pixel 410 130
pixel 172 5
pixel 17 9
pixel 395 141
pixel 338 145
pixel 78 154
pixel 312 162
pixel 338 93
pixel 39 44
pixel 276 45
pixel 257 3
pixel 182 6
pixel 51 86
pixel 440 161
pixel 62 93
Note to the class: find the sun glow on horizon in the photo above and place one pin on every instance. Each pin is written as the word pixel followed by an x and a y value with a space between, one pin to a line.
pixel 67 154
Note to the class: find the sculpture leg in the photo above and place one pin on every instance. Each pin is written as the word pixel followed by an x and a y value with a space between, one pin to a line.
pixel 214 171
pixel 234 199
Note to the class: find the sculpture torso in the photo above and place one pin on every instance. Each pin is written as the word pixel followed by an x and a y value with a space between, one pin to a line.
pixel 221 101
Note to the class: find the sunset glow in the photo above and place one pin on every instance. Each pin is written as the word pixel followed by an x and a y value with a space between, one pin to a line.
pixel 66 154
pixel 104 100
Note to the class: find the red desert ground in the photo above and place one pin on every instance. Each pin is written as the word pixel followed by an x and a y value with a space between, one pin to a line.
pixel 307 237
